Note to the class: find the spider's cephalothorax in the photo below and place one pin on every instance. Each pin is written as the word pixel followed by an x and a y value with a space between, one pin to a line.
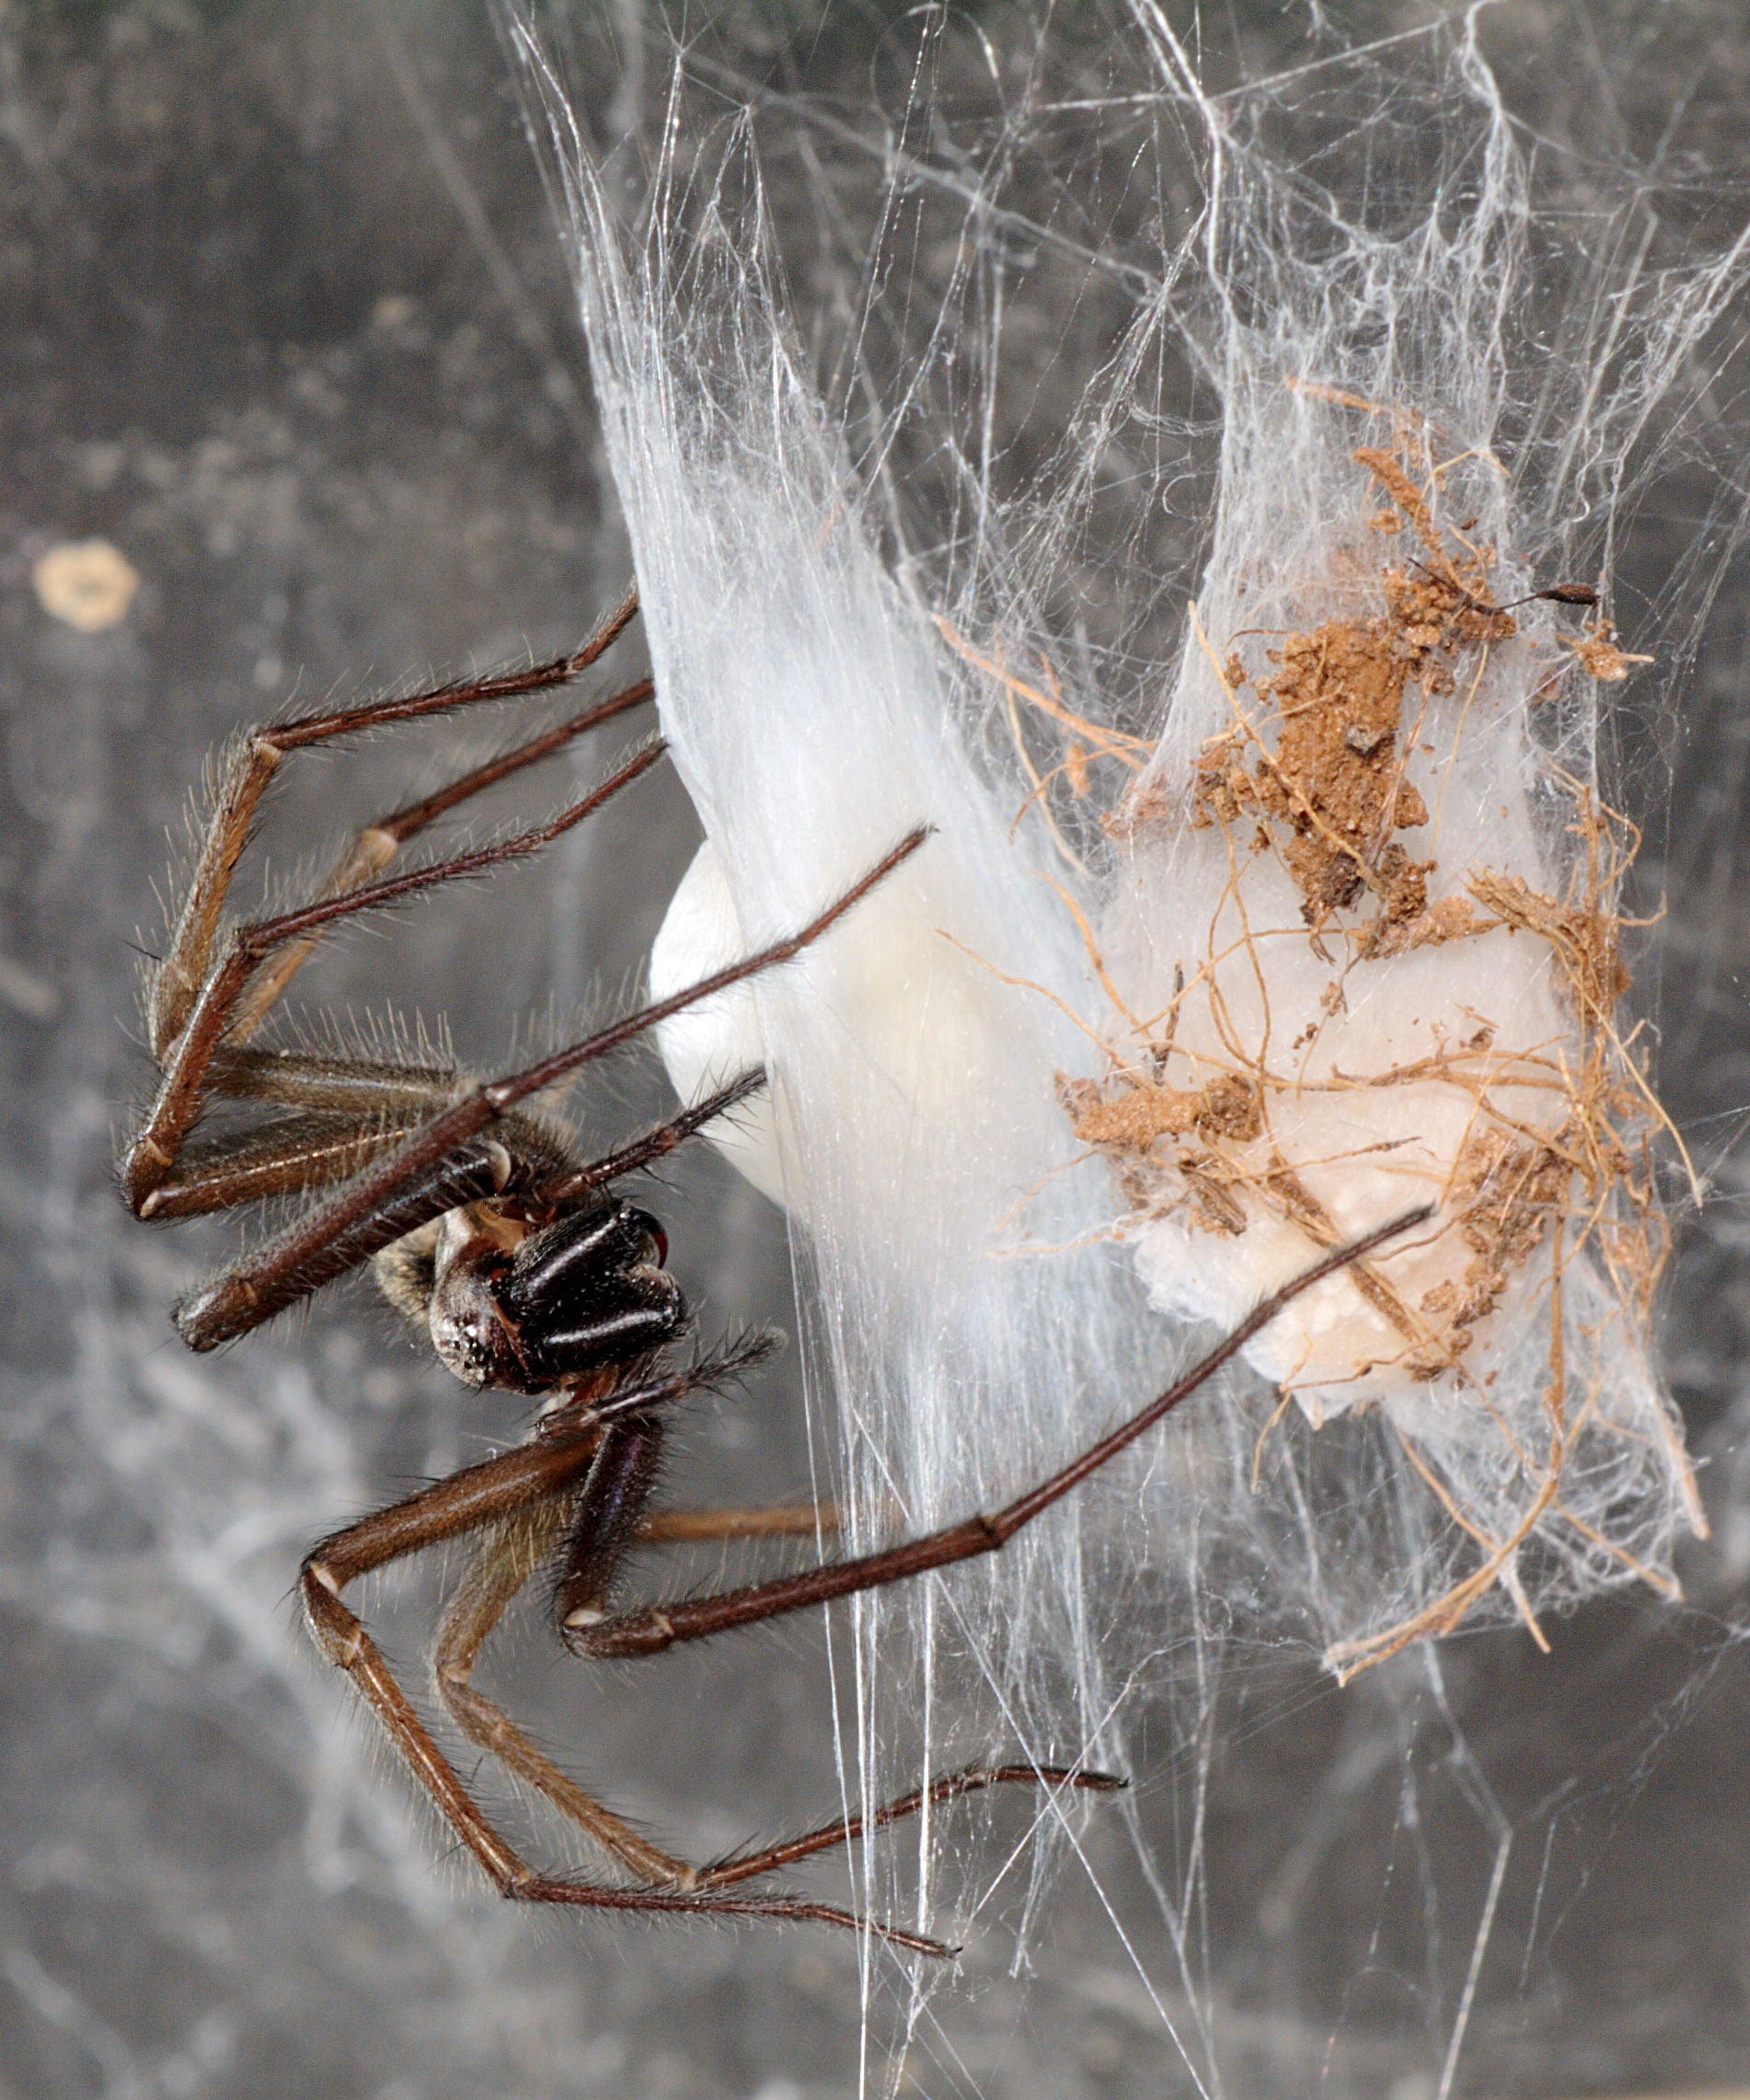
pixel 535 1305
pixel 512 1256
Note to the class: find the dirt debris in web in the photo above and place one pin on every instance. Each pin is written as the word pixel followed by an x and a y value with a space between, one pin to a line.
pixel 1543 1163
pixel 1332 791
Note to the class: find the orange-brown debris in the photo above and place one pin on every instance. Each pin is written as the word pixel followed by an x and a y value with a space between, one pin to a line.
pixel 1599 655
pixel 1332 791
pixel 1549 1144
pixel 1131 1120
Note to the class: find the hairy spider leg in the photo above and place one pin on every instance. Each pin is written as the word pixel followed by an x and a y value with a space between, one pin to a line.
pixel 347 1228
pixel 377 843
pixel 491 1492
pixel 351 1110
pixel 847 1830
pixel 357 1107
pixel 518 1550
pixel 604 1517
pixel 294 1155
pixel 551 1469
pixel 150 1159
pixel 651 1145
pixel 657 1628
pixel 777 1520
pixel 604 1520
pixel 178 982
pixel 187 968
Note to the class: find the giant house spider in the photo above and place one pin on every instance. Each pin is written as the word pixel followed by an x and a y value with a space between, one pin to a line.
pixel 514 1259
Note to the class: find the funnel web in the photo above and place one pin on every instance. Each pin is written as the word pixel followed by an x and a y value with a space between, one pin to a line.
pixel 1268 693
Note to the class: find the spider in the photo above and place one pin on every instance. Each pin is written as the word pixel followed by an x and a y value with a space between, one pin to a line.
pixel 523 1270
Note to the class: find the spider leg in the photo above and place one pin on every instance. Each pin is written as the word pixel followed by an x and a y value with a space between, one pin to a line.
pixel 783 1521
pixel 590 1632
pixel 348 1230
pixel 239 1299
pixel 480 1494
pixel 302 1153
pixel 652 1145
pixel 152 1153
pixel 846 1829
pixel 252 765
pixel 651 1630
pixel 603 1519
pixel 598 1545
pixel 376 844
pixel 352 1111
pixel 329 1084
pixel 509 1487
pixel 518 1550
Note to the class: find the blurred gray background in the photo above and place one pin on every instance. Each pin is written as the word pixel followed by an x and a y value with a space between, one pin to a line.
pixel 287 324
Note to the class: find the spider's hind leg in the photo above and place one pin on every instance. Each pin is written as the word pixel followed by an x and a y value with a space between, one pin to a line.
pixel 211 993
pixel 151 1155
pixel 385 1200
pixel 377 843
pixel 328 1116
pixel 517 1550
pixel 522 1494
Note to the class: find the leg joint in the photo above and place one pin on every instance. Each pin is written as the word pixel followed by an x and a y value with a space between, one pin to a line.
pixel 335 1628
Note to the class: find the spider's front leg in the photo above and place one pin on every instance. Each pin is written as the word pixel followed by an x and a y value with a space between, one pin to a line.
pixel 606 1520
pixel 586 1479
pixel 378 1205
pixel 593 1522
pixel 657 1628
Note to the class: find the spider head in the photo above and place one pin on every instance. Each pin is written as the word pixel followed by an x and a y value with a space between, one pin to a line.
pixel 523 1310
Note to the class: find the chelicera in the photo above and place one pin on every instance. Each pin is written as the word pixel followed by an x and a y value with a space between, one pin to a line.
pixel 524 1271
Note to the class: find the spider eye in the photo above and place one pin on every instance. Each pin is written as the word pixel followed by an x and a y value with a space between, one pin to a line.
pixel 658 1239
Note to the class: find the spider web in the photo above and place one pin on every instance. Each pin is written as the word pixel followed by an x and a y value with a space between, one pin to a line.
pixel 1476 1866
pixel 869 515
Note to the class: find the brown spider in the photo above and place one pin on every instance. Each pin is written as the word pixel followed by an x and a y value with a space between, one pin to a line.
pixel 511 1256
